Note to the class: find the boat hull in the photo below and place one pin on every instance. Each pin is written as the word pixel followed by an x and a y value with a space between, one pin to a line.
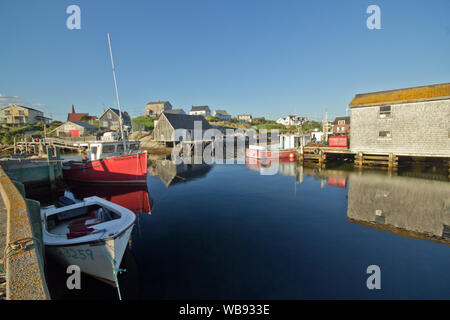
pixel 264 154
pixel 96 258
pixel 121 169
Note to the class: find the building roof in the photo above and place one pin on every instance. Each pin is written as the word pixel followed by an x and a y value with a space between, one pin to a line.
pixel 75 117
pixel 347 120
pixel 185 121
pixel 158 102
pixel 223 112
pixel 81 124
pixel 116 111
pixel 85 125
pixel 200 108
pixel 415 94
pixel 17 105
pixel 176 111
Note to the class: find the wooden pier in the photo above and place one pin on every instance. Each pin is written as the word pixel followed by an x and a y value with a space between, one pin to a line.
pixel 320 156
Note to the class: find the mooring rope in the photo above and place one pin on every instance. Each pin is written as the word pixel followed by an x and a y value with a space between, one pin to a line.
pixel 19 245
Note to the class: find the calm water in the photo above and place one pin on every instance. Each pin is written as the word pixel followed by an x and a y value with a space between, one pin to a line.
pixel 228 232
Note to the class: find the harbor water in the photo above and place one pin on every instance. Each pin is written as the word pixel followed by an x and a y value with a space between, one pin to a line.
pixel 231 232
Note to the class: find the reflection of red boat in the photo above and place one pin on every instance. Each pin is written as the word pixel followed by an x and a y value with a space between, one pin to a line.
pixel 337 181
pixel 109 163
pixel 134 198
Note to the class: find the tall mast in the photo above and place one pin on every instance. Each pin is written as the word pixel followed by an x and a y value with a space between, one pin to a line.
pixel 117 91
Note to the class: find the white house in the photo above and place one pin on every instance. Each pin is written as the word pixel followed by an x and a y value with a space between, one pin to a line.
pixel 292 120
pixel 200 111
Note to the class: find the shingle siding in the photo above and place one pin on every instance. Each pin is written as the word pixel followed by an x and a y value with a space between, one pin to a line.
pixel 420 128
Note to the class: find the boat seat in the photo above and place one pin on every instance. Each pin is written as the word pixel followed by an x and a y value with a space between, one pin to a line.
pixel 79 233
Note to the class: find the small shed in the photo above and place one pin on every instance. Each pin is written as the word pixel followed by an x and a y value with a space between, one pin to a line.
pixel 75 129
pixel 167 123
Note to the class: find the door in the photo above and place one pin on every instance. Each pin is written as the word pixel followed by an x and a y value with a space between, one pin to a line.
pixel 74 133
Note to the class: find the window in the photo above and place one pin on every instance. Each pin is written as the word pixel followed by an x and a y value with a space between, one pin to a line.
pixel 385 112
pixel 108 148
pixel 109 116
pixel 21 112
pixel 384 134
pixel 120 148
pixel 105 124
pixel 7 112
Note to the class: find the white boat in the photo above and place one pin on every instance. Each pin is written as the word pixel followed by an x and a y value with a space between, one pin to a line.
pixel 92 234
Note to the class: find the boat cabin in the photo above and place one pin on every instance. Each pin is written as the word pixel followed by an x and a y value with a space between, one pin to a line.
pixel 292 141
pixel 101 149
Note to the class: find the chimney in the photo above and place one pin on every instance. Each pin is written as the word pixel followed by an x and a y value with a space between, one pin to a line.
pixel 73 109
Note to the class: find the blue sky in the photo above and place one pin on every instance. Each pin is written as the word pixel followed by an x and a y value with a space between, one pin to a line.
pixel 267 58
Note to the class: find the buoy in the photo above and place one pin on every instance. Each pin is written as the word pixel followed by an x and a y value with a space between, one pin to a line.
pixel 291 156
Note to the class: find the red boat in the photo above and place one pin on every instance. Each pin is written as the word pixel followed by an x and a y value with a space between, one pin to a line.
pixel 110 162
pixel 261 152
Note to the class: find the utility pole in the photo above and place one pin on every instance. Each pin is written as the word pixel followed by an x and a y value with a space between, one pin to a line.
pixel 325 126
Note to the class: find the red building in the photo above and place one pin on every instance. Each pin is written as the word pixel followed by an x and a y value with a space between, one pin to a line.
pixel 341 126
pixel 76 117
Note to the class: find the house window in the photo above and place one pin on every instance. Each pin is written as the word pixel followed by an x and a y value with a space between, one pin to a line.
pixel 385 112
pixel 384 134
pixel 7 112
pixel 21 112
pixel 109 116
pixel 105 124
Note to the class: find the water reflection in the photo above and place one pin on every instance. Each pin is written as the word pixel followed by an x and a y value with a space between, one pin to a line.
pixel 410 207
pixel 407 203
pixel 133 197
pixel 171 174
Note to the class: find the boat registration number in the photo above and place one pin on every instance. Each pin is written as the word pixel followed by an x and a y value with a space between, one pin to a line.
pixel 81 254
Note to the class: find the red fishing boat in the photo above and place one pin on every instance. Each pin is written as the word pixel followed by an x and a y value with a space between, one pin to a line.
pixel 109 162
pixel 285 148
pixel 261 152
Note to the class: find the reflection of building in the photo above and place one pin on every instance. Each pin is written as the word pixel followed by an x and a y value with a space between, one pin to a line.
pixel 170 173
pixel 407 206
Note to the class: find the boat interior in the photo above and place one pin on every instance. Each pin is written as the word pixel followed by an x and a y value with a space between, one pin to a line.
pixel 78 221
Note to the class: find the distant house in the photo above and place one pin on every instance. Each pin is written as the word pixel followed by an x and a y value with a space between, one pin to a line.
pixel 292 120
pixel 341 126
pixel 75 129
pixel 109 120
pixel 76 117
pixel 167 123
pixel 200 111
pixel 155 108
pixel 222 115
pixel 317 136
pixel 411 121
pixel 15 115
pixel 175 111
pixel 245 118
